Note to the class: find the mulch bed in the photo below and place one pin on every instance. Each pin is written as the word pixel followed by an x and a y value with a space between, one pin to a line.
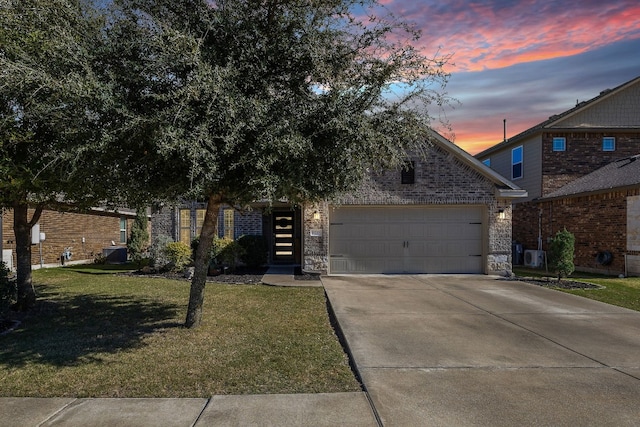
pixel 554 283
pixel 242 276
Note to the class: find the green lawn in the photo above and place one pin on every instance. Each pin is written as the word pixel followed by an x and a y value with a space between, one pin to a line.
pixel 99 334
pixel 621 292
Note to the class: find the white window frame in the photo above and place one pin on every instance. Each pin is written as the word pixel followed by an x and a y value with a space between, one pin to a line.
pixel 610 139
pixel 514 163
pixel 562 143
pixel 123 229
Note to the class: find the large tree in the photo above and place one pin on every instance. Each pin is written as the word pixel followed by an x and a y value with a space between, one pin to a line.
pixel 269 100
pixel 49 113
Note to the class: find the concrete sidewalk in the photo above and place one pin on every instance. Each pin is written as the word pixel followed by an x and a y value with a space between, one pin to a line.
pixel 283 275
pixel 480 351
pixel 329 410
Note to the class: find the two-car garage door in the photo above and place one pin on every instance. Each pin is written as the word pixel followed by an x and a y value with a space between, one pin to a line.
pixel 406 239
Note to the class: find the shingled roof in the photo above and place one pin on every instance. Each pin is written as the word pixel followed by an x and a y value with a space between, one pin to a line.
pixel 620 174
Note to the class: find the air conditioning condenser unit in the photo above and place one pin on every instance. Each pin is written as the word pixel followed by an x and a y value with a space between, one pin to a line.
pixel 533 258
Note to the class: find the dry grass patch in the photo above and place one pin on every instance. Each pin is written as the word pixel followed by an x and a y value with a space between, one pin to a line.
pixel 107 335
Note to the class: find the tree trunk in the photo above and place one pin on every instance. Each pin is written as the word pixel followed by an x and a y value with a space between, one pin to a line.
pixel 22 230
pixel 208 232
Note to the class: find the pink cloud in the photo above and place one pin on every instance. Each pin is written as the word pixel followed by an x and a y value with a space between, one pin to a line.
pixel 498 34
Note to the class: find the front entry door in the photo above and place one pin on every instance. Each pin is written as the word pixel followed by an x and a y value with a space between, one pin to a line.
pixel 284 237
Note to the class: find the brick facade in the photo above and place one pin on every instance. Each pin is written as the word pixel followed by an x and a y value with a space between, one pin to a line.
pixel 67 230
pixel 440 179
pixel 583 155
pixel 248 223
pixel 599 223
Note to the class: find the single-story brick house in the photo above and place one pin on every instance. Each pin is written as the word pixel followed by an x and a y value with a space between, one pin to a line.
pixel 448 213
pixel 84 235
pixel 602 210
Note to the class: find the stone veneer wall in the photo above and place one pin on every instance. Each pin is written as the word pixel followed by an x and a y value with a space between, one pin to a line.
pixel 440 179
pixel 163 222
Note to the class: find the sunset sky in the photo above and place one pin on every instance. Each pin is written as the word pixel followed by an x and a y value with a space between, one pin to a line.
pixel 524 60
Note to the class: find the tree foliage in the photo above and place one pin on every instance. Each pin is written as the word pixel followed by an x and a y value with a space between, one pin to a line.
pixel 562 253
pixel 49 113
pixel 237 101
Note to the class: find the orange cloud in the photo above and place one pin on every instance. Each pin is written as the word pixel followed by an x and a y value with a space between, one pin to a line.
pixel 482 38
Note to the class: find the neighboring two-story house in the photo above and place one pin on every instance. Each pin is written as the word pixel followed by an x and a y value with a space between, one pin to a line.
pixel 444 213
pixel 602 212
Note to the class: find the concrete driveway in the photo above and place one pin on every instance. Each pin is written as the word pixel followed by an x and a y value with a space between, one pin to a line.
pixel 459 350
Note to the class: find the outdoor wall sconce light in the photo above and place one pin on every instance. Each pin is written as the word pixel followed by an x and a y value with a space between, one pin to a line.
pixel 501 214
pixel 316 215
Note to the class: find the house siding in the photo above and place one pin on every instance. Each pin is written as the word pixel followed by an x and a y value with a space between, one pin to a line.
pixel 531 162
pixel 617 111
pixel 440 179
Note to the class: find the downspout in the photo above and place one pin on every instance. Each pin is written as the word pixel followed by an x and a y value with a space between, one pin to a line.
pixel 626 271
pixel 1 235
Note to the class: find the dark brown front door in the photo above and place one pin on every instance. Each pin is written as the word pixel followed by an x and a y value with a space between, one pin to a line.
pixel 284 236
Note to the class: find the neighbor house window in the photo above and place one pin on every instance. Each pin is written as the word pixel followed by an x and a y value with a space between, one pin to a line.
pixel 408 173
pixel 516 163
pixel 228 224
pixel 123 230
pixel 487 162
pixel 559 144
pixel 608 143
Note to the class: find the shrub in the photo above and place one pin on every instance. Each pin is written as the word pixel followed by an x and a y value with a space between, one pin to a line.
pixel 8 291
pixel 178 254
pixel 227 251
pixel 562 249
pixel 255 250
pixel 138 242
pixel 158 256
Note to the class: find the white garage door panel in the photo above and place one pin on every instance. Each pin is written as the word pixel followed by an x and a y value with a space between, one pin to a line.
pixel 406 240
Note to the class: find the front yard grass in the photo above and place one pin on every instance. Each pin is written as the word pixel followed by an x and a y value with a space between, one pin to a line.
pixel 621 292
pixel 95 333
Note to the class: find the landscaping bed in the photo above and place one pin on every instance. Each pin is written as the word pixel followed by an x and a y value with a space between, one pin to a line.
pixel 242 275
pixel 554 283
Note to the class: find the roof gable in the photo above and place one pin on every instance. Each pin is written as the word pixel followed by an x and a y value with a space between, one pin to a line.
pixel 618 108
pixel 505 187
